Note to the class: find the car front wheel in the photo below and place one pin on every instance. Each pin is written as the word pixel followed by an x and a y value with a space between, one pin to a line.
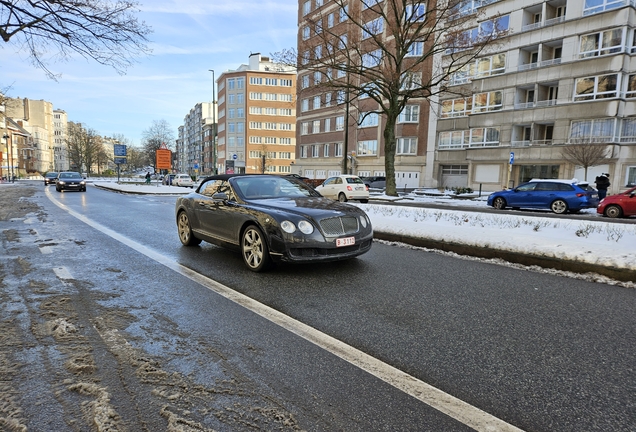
pixel 499 203
pixel 559 206
pixel 185 231
pixel 342 197
pixel 613 211
pixel 254 249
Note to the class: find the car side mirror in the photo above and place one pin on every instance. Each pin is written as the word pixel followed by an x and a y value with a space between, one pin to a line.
pixel 219 196
pixel 632 195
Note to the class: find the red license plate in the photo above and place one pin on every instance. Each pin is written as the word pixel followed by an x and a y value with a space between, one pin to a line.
pixel 347 241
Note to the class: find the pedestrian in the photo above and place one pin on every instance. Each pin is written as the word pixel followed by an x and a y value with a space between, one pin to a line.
pixel 602 184
pixel 148 177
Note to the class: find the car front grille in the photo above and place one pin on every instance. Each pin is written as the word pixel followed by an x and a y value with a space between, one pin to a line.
pixel 315 252
pixel 339 226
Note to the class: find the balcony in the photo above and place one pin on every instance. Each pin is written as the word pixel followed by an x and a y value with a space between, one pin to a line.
pixel 532 143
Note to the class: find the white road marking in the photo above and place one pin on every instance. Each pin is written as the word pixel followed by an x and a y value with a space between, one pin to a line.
pixel 455 408
pixel 62 273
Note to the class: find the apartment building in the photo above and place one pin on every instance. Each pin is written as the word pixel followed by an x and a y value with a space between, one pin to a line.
pixel 60 153
pixel 190 152
pixel 564 75
pixel 338 128
pixel 257 118
pixel 36 117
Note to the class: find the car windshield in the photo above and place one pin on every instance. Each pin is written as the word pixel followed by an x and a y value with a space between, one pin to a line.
pixel 70 176
pixel 271 187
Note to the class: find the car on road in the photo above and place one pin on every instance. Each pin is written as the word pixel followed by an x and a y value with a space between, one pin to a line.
pixel 50 178
pixel 69 180
pixel 183 180
pixel 344 187
pixel 375 182
pixel 619 205
pixel 557 195
pixel 167 179
pixel 269 218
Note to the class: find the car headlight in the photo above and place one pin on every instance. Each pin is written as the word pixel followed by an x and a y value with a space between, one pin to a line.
pixel 363 221
pixel 305 227
pixel 288 226
pixel 61 181
pixel 82 182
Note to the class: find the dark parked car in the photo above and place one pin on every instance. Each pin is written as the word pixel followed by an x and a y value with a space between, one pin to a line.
pixel 375 182
pixel 619 205
pixel 50 178
pixel 560 196
pixel 69 180
pixel 269 218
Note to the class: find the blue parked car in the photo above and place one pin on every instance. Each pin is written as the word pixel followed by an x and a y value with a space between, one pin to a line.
pixel 560 196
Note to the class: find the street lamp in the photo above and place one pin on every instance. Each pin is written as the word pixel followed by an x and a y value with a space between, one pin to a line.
pixel 7 143
pixel 213 124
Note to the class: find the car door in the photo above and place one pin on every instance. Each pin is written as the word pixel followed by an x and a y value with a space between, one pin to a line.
pixel 628 202
pixel 545 193
pixel 328 188
pixel 522 195
pixel 216 218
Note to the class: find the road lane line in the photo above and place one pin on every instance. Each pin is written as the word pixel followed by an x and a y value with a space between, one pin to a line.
pixel 455 408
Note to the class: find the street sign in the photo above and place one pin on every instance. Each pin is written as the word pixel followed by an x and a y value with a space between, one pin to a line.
pixel 234 156
pixel 512 158
pixel 120 160
pixel 196 166
pixel 119 150
pixel 164 158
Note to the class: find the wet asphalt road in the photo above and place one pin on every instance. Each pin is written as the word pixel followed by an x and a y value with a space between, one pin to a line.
pixel 541 352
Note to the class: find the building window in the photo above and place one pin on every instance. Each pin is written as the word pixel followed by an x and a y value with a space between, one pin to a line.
pixel 256 96
pixel 597 6
pixel 337 150
pixel 484 137
pixel 415 12
pixel 631 176
pixel 316 104
pixel 330 20
pixel 240 127
pixel 231 127
pixel 315 151
pixel 285 126
pixel 406 146
pixel 416 49
pixel 410 114
pixel 240 83
pixel 490 101
pixel 231 82
pixel 305 58
pixel 368 119
pixel 325 150
pixel 304 81
pixel 230 113
pixel 306 32
pixel 340 97
pixel 373 27
pixel 411 80
pixel 327 99
pixel 303 151
pixel 240 98
pixel 256 80
pixel 328 125
pixel 315 127
pixel 344 13
pixel 342 41
pixel 598 87
pixel 456 107
pixel 240 113
pixel 304 105
pixel 593 131
pixel 372 59
pixel 285 140
pixel 367 148
pixel 605 42
pixel 340 123
pixel 304 129
pixel 318 52
pixel 285 82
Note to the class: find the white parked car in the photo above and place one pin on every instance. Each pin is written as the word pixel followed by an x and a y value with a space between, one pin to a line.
pixel 183 180
pixel 344 187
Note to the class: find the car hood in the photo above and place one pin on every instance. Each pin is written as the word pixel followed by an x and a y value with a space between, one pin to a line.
pixel 314 207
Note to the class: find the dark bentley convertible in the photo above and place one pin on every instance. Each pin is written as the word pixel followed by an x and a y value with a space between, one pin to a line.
pixel 271 218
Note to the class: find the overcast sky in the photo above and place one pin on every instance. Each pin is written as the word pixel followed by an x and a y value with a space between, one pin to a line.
pixel 189 38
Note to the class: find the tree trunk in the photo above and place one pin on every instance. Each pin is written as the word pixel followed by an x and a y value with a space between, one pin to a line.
pixel 389 153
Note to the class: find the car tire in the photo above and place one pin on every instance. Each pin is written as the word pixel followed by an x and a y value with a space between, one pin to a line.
pixel 185 231
pixel 613 211
pixel 499 203
pixel 559 206
pixel 58 189
pixel 342 197
pixel 254 249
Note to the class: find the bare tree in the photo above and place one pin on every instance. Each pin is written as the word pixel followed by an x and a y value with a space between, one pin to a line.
pixel 585 155
pixel 389 52
pixel 106 31
pixel 83 146
pixel 158 134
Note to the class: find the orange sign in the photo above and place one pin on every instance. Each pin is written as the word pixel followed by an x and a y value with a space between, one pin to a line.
pixel 164 159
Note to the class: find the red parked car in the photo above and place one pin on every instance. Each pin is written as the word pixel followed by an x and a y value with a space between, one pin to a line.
pixel 622 204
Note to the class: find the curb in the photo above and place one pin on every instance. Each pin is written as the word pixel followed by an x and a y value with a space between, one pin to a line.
pixel 620 274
